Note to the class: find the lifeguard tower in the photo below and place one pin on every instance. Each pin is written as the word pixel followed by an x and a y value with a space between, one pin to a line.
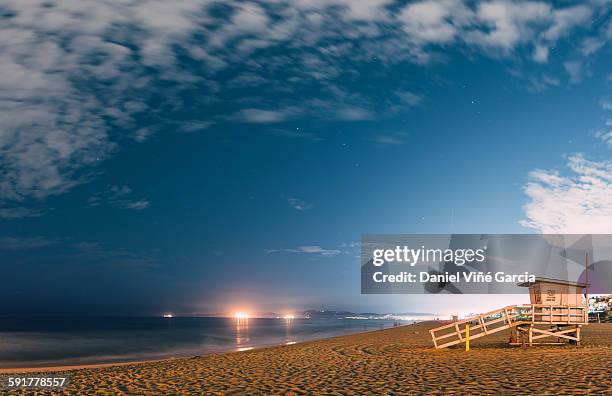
pixel 558 309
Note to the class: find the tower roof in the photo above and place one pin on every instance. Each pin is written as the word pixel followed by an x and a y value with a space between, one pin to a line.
pixel 555 281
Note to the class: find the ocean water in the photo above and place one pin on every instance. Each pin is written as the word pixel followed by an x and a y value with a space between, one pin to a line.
pixel 32 342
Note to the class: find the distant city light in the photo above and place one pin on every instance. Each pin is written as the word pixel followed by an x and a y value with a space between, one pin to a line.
pixel 289 317
pixel 168 316
pixel 241 315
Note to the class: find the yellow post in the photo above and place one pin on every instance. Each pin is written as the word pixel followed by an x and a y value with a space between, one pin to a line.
pixel 467 337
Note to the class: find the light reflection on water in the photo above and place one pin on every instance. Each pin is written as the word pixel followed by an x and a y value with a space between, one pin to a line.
pixel 288 327
pixel 242 332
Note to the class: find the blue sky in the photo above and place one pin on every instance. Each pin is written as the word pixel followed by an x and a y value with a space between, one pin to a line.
pixel 199 156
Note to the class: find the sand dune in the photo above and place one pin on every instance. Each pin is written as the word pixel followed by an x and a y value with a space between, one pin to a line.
pixel 393 361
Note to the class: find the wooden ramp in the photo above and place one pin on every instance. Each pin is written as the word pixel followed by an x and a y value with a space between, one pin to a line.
pixel 527 316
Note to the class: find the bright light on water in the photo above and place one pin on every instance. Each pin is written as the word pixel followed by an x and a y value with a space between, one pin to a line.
pixel 241 315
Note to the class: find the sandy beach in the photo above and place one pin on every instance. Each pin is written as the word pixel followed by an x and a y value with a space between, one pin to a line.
pixel 392 361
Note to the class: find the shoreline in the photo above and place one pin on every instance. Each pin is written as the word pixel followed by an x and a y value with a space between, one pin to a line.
pixel 52 369
pixel 119 363
pixel 397 360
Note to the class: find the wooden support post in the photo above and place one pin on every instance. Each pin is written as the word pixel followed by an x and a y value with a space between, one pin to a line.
pixel 482 323
pixel 530 335
pixel 467 337
pixel 551 313
pixel 577 335
pixel 433 337
pixel 458 331
pixel 508 317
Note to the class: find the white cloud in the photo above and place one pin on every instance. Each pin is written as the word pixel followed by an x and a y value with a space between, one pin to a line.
pixel 316 250
pixel 19 212
pixel 118 196
pixel 390 140
pixel 577 203
pixel 195 126
pixel 498 26
pixel 353 113
pixel 316 108
pixel 606 136
pixel 510 23
pixel 409 98
pixel 565 19
pixel 575 69
pixel 247 18
pixel 63 74
pixel 606 104
pixel 297 203
pixel 591 45
pixel 432 21
pixel 250 18
pixel 367 11
pixel 18 243
pixel 542 83
pixel 266 116
pixel 540 53
pixel 136 205
pixel 517 22
pixel 75 77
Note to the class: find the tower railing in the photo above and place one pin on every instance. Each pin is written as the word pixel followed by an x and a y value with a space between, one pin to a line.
pixel 504 318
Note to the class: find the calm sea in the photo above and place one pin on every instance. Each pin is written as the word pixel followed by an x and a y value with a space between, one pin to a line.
pixel 30 342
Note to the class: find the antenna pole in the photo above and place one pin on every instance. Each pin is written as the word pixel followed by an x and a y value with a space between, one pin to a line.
pixel 586 265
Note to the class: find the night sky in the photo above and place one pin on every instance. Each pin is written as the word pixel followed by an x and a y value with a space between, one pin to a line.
pixel 200 157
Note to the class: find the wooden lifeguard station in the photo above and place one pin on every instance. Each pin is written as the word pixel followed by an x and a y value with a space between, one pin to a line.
pixel 558 309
